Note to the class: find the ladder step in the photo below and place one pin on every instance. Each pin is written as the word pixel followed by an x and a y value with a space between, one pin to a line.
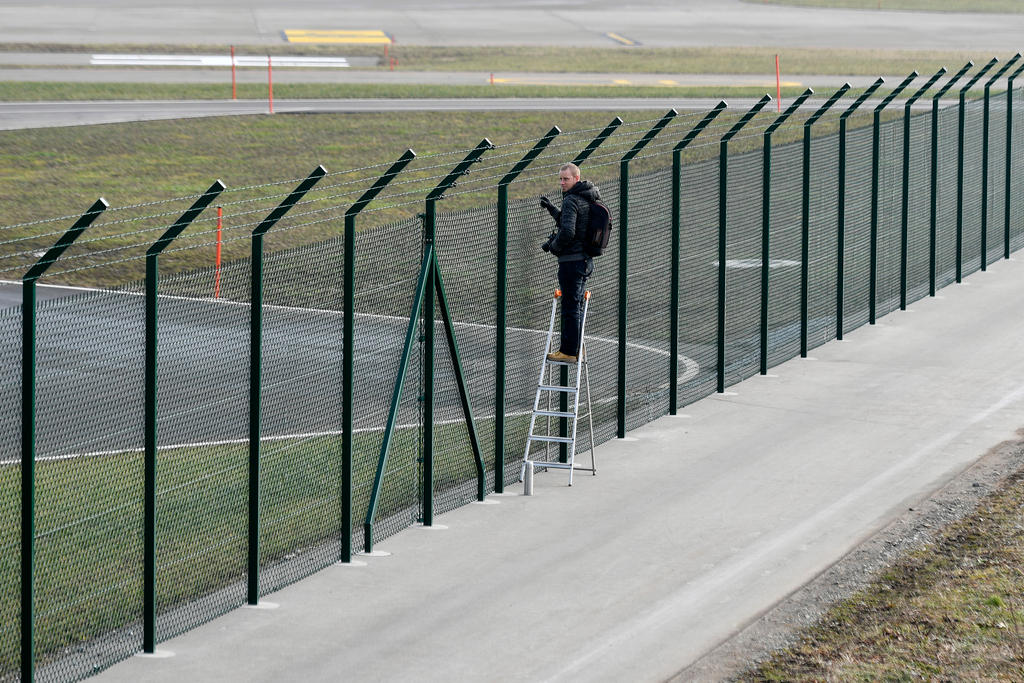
pixel 553 439
pixel 558 362
pixel 549 387
pixel 553 413
pixel 552 465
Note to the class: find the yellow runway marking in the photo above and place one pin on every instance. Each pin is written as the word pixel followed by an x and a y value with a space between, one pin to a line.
pixel 620 82
pixel 337 36
pixel 621 39
pixel 668 82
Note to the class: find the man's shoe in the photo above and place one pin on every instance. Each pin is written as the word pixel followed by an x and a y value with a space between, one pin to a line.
pixel 561 357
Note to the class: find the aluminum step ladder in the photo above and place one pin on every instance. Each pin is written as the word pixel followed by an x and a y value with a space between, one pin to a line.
pixel 539 453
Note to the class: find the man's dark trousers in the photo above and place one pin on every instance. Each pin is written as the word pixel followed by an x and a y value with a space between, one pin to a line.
pixel 572 280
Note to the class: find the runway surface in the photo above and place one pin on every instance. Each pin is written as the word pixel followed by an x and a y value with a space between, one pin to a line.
pixel 592 23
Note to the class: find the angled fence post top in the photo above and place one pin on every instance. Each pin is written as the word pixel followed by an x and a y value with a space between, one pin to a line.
pixel 650 135
pixel 531 155
pixel 380 183
pixel 863 97
pixel 978 76
pixel 596 142
pixel 951 82
pixel 746 118
pixel 460 170
pixel 65 241
pixel 186 218
pixel 828 105
pixel 281 209
pixel 923 89
pixel 999 74
pixel 896 91
pixel 1014 76
pixel 695 131
pixel 789 112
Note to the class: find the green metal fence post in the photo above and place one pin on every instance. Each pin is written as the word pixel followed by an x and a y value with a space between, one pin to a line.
pixel 723 216
pixel 841 217
pixel 256 375
pixel 766 215
pixel 149 521
pixel 501 334
pixel 905 207
pixel 430 227
pixel 1009 156
pixel 934 195
pixel 875 150
pixel 348 346
pixel 624 261
pixel 805 221
pixel 677 173
pixel 984 160
pixel 28 430
pixel 961 135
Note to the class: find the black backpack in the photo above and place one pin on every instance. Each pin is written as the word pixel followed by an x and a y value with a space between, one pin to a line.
pixel 599 229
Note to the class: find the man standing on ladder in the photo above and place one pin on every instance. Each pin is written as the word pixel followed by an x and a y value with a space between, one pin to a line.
pixel 574 264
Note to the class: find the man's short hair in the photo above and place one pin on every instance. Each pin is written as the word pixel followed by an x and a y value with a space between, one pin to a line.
pixel 572 168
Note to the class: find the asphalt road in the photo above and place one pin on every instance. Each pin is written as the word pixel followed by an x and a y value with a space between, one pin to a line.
pixel 654 23
pixel 91 362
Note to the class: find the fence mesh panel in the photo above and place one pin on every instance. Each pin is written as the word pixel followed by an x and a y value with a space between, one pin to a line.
pixel 388 263
pixel 890 200
pixel 1016 169
pixel 602 330
pixel 648 322
pixel 463 238
pixel 88 482
pixel 919 207
pixel 90 457
pixel 822 241
pixel 698 276
pixel 300 425
pixel 857 234
pixel 10 490
pixel 785 253
pixel 946 197
pixel 743 267
pixel 996 195
pixel 970 253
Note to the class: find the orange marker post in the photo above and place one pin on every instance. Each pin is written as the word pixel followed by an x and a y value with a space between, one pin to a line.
pixel 778 85
pixel 270 83
pixel 216 281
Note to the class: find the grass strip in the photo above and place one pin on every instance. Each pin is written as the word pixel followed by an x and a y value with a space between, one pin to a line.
pixel 34 91
pixel 140 162
pixel 951 611
pixel 620 59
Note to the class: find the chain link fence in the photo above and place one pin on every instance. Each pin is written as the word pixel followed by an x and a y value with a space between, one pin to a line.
pixel 229 524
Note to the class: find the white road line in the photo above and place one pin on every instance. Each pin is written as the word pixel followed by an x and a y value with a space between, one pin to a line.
pixel 217 60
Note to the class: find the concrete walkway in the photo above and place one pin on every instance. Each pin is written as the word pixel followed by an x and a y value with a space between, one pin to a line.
pixel 693 527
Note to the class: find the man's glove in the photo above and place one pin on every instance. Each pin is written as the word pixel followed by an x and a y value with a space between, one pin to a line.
pixel 547 244
pixel 552 209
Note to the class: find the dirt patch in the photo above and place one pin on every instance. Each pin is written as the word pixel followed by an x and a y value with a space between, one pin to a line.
pixel 781 626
